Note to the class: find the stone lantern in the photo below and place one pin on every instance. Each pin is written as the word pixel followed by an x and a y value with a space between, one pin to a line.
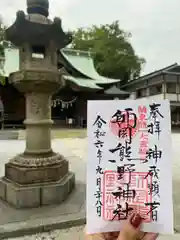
pixel 38 176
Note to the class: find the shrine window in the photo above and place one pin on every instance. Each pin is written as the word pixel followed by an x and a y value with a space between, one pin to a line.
pixel 38 52
pixel 171 87
pixel 155 90
pixel 142 93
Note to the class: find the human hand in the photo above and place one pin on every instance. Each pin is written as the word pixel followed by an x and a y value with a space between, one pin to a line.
pixel 102 236
pixel 117 236
pixel 129 231
pixel 148 236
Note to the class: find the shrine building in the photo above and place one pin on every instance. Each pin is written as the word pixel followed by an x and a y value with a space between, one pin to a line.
pixel 70 103
pixel 158 85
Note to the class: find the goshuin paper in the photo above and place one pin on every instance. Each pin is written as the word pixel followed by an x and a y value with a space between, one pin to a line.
pixel 129 165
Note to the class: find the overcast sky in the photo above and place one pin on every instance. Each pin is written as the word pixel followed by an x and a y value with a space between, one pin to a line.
pixel 154 24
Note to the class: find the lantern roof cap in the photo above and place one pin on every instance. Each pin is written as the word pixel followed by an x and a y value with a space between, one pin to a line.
pixel 38 7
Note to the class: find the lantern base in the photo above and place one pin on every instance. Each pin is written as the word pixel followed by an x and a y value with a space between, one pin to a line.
pixel 36 195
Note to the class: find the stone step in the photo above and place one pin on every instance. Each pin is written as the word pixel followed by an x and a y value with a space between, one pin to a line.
pixel 9 135
pixel 22 134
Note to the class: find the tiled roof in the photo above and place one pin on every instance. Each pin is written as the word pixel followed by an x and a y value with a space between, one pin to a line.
pixel 82 82
pixel 82 61
pixel 152 74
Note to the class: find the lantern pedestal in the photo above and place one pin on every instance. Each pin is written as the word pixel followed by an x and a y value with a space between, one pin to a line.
pixel 36 195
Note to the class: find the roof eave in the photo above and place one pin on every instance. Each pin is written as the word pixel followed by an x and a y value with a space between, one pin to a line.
pixel 150 75
pixel 108 83
pixel 73 80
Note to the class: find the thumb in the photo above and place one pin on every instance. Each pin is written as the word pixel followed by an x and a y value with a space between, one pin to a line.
pixel 96 236
pixel 131 228
pixel 150 236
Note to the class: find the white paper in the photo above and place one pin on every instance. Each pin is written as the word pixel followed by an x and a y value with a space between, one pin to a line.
pixel 148 152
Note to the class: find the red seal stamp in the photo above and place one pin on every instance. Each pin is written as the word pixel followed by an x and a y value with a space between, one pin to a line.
pixel 116 195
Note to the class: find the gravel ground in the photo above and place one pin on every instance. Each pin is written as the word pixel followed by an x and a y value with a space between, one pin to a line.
pixel 75 233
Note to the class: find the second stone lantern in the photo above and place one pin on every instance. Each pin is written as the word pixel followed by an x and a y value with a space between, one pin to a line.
pixel 38 176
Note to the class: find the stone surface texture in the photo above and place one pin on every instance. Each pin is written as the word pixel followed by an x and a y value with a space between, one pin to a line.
pixel 29 175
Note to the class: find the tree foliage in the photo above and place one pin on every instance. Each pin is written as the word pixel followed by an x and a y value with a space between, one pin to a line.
pixel 2 38
pixel 3 44
pixel 114 56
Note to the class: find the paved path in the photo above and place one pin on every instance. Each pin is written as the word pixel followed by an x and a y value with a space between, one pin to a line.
pixel 78 148
pixel 72 209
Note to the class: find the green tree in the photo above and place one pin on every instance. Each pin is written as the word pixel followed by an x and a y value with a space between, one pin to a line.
pixel 2 37
pixel 3 44
pixel 113 54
